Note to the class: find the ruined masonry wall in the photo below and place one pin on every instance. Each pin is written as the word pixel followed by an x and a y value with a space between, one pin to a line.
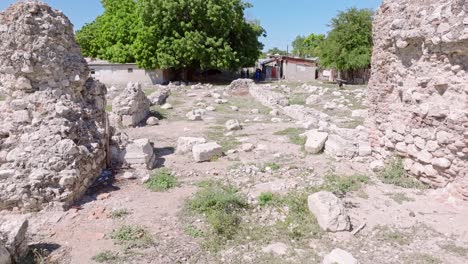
pixel 52 129
pixel 418 89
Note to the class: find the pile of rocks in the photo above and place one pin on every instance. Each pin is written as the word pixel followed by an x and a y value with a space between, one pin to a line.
pixel 418 92
pixel 131 107
pixel 53 130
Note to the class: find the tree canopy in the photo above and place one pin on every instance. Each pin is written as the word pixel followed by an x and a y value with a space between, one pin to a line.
pixel 348 45
pixel 276 50
pixel 174 34
pixel 307 46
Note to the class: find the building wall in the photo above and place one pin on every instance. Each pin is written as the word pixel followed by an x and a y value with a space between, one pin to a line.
pixel 121 74
pixel 299 72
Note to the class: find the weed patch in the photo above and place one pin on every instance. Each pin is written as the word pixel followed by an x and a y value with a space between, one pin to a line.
pixel 394 173
pixel 341 185
pixel 293 135
pixel 272 165
pixel 394 237
pixel 161 180
pixel 131 237
pixel 221 205
pixel 119 213
pixel 107 257
pixel 216 133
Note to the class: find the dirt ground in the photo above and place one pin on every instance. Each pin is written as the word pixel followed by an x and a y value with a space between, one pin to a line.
pixel 399 225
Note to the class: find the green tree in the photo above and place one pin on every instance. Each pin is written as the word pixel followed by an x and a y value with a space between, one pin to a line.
pixel 177 34
pixel 111 35
pixel 276 50
pixel 307 46
pixel 203 34
pixel 348 45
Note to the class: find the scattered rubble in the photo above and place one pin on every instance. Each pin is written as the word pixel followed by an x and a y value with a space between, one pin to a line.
pixel 185 144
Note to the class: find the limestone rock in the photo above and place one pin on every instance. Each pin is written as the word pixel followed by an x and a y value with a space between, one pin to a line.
pixel 13 236
pixel 152 121
pixel 340 147
pixel 232 125
pixel 131 106
pixel 185 144
pixel 315 141
pixel 330 212
pixel 207 151
pixel 140 154
pixel 339 256
pixel 195 115
pixel 53 121
pixel 166 106
pixel 159 97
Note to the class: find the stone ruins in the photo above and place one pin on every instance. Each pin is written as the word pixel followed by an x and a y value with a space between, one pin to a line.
pixel 418 90
pixel 53 128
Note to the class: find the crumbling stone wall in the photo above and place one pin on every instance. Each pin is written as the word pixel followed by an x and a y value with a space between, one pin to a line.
pixel 419 86
pixel 53 122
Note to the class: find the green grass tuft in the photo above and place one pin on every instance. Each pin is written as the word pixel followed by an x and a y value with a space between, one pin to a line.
pixel 266 198
pixel 221 205
pixel 131 237
pixel 394 173
pixel 161 180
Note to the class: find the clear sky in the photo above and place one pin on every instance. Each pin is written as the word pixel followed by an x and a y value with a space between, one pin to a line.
pixel 282 19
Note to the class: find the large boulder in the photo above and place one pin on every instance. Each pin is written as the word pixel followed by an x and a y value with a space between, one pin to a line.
pixel 207 151
pixel 330 211
pixel 315 141
pixel 418 87
pixel 53 122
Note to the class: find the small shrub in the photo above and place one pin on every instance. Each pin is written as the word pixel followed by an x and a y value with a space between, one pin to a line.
pixel 119 213
pixel 2 98
pixel 161 180
pixel 293 135
pixel 108 108
pixel 216 197
pixel 394 173
pixel 106 257
pixel 221 206
pixel 160 113
pixel 266 198
pixel 131 237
